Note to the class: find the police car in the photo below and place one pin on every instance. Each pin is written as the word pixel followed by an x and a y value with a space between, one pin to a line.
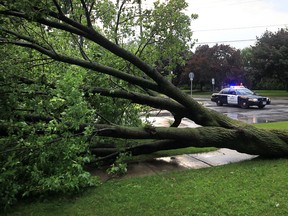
pixel 240 96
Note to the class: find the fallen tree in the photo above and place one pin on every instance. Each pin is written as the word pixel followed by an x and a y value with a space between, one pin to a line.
pixel 217 130
pixel 35 27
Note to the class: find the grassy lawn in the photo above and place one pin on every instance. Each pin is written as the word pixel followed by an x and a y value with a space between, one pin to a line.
pixel 273 125
pixel 272 93
pixel 256 187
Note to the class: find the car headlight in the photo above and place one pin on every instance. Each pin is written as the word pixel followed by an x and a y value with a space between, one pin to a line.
pixel 253 99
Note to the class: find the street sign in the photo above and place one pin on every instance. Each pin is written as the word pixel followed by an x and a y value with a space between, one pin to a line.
pixel 213 83
pixel 191 75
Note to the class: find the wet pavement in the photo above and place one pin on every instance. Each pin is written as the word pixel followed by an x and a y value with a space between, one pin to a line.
pixel 178 163
pixel 277 111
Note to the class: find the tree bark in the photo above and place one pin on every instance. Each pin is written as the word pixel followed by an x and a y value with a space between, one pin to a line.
pixel 249 140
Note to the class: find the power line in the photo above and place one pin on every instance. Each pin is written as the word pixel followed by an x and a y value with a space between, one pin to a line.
pixel 218 4
pixel 228 41
pixel 244 27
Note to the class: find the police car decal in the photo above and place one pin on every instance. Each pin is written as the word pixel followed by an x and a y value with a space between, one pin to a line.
pixel 232 99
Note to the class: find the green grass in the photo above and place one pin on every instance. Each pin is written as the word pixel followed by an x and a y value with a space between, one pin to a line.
pixel 273 125
pixel 272 93
pixel 256 187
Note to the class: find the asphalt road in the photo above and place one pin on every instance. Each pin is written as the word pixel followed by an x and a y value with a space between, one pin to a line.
pixel 276 111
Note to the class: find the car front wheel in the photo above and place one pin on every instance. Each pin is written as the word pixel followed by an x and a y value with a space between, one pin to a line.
pixel 244 104
pixel 261 106
pixel 219 103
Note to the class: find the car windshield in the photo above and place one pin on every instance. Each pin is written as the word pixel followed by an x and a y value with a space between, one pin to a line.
pixel 244 91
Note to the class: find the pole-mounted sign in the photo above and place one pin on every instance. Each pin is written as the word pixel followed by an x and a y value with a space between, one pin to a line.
pixel 191 76
pixel 213 83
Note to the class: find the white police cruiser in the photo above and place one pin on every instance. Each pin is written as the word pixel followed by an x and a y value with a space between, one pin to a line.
pixel 240 96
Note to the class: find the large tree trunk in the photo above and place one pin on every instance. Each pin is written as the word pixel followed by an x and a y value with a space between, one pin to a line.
pixel 246 139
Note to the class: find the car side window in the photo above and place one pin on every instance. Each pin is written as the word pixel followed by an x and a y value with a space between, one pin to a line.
pixel 232 92
pixel 225 91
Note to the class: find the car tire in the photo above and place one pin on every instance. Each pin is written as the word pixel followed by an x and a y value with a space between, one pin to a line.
pixel 244 104
pixel 219 103
pixel 261 106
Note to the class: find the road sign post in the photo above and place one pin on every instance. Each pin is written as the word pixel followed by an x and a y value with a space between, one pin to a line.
pixel 213 83
pixel 191 76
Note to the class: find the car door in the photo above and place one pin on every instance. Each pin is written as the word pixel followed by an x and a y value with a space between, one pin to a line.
pixel 223 96
pixel 232 98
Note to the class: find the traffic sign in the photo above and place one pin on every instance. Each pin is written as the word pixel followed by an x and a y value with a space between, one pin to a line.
pixel 191 75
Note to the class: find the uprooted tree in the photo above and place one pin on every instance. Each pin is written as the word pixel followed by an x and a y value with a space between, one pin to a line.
pixel 76 75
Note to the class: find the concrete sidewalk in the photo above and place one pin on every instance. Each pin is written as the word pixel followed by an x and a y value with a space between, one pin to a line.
pixel 179 162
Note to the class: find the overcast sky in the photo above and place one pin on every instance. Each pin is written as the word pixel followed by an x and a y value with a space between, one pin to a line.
pixel 236 20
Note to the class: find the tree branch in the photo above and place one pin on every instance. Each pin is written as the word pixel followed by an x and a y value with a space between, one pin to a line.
pixel 89 65
pixel 83 53
pixel 87 15
pixel 156 102
pixel 58 7
pixel 118 21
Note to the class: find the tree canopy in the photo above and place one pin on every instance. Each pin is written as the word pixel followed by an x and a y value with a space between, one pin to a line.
pixel 269 57
pixel 221 62
pixel 75 81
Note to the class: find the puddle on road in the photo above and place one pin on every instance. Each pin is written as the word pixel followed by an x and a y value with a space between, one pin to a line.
pixel 248 119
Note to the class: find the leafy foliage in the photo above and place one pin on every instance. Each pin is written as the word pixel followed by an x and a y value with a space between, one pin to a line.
pixel 49 108
pixel 41 154
pixel 169 29
pixel 119 167
pixel 270 56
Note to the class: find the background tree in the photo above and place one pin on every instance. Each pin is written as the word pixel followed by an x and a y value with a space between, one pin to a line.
pixel 250 73
pixel 221 62
pixel 270 56
pixel 77 102
pixel 173 71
